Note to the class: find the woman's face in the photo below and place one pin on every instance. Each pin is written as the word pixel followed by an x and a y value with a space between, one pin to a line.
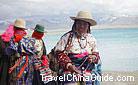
pixel 37 35
pixel 82 27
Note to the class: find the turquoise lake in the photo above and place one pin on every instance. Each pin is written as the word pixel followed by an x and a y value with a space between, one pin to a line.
pixel 118 48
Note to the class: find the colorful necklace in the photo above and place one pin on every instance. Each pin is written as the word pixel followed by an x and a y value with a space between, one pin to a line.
pixel 80 42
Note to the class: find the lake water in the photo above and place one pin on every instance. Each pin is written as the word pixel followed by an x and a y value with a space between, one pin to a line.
pixel 118 48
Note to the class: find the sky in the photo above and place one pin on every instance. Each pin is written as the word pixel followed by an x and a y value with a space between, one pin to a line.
pixel 18 8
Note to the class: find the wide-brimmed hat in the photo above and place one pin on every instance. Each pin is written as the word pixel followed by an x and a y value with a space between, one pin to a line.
pixel 85 16
pixel 20 23
pixel 39 28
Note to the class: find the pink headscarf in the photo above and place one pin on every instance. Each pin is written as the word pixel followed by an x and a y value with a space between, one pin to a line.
pixel 6 36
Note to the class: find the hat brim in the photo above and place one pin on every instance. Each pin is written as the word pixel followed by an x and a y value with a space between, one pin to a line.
pixel 39 31
pixel 91 21
pixel 20 27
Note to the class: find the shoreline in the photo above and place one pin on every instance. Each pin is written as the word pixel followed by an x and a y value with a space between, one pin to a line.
pixel 63 30
pixel 97 27
pixel 112 26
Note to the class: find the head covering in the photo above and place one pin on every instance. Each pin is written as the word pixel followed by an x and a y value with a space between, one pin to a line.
pixel 39 28
pixel 37 35
pixel 20 24
pixel 85 16
pixel 38 32
pixel 6 36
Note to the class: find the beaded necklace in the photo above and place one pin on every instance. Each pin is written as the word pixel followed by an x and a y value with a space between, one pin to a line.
pixel 79 41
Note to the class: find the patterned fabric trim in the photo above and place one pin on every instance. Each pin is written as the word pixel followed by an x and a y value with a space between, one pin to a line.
pixel 63 60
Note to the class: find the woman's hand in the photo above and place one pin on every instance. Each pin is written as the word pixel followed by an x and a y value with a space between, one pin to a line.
pixel 92 58
pixel 72 68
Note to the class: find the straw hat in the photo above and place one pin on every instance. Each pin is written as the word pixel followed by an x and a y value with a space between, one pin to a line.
pixel 85 16
pixel 20 23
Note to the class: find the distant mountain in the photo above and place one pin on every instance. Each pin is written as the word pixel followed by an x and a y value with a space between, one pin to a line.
pixel 121 20
pixel 63 21
pixel 50 22
pixel 3 25
pixel 125 20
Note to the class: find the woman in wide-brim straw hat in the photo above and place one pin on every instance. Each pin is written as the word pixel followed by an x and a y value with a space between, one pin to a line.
pixel 77 50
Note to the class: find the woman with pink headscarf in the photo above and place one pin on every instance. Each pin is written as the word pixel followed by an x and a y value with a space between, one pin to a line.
pixel 17 31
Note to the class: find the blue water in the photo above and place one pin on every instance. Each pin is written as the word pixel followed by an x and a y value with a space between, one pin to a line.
pixel 118 48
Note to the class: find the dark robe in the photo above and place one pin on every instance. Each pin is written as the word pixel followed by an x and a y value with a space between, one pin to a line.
pixel 4 63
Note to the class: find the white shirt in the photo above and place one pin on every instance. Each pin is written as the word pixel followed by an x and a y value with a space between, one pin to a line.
pixel 39 47
pixel 86 43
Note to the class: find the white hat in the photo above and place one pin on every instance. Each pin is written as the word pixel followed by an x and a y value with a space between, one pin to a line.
pixel 85 16
pixel 20 23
